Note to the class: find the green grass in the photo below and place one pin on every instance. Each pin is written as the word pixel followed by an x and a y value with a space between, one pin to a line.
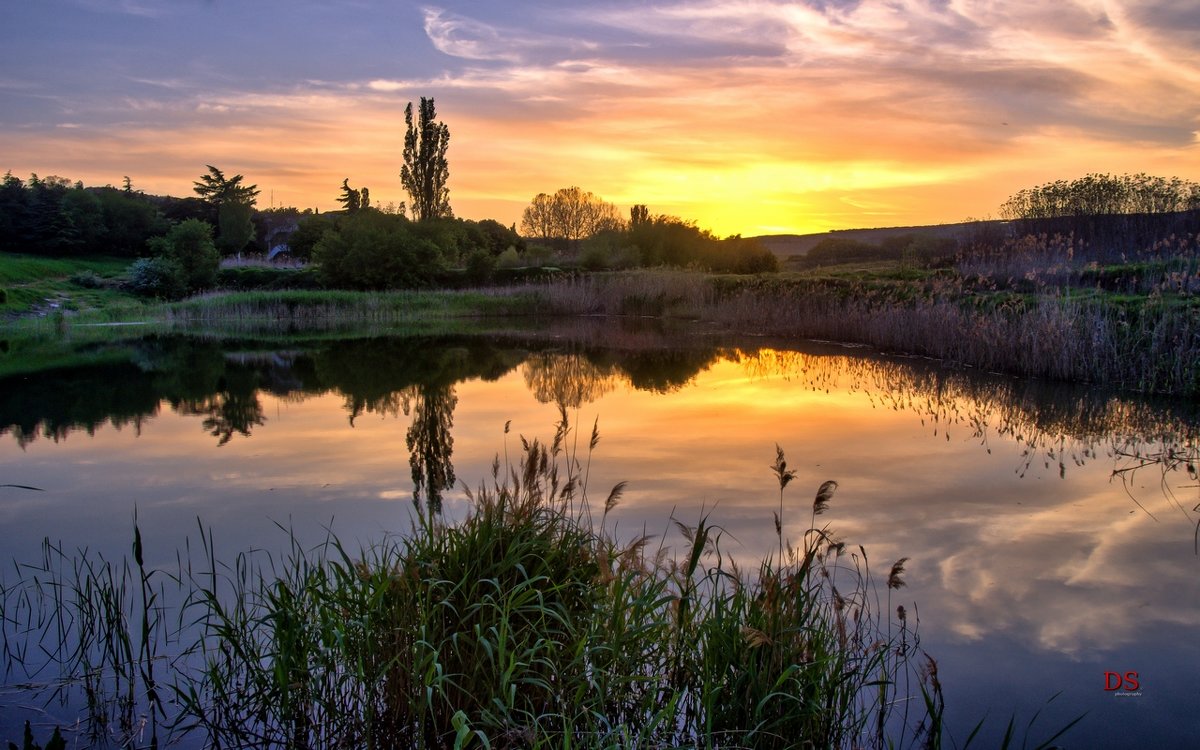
pixel 32 282
pixel 340 310
pixel 25 269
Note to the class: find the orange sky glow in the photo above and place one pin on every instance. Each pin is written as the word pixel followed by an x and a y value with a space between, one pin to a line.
pixel 751 117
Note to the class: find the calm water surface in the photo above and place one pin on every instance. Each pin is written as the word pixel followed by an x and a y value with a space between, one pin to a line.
pixel 1033 566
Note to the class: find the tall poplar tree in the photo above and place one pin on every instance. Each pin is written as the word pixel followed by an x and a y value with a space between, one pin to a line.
pixel 425 171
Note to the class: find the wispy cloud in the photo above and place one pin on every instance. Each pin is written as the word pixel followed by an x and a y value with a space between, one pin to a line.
pixel 468 38
pixel 744 114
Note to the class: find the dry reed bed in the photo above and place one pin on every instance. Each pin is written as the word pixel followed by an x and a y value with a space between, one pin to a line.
pixel 1154 348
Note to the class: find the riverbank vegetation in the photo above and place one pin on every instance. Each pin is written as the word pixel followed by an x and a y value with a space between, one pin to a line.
pixel 527 623
pixel 1092 280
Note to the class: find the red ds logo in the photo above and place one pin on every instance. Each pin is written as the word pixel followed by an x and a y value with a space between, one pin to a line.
pixel 1118 681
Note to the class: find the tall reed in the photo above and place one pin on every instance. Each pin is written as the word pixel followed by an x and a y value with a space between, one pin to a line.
pixel 526 624
pixel 1151 346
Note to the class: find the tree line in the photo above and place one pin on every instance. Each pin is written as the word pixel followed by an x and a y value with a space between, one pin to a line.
pixel 575 221
pixel 1101 194
pixel 178 242
pixel 1113 213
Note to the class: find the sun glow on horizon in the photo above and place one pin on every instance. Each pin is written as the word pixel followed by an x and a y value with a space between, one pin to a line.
pixel 758 117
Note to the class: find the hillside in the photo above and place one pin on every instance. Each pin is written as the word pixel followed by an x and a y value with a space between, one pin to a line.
pixel 788 245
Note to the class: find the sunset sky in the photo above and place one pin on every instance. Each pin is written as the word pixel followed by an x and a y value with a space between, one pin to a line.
pixel 748 116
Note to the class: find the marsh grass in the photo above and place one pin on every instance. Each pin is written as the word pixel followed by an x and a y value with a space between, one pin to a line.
pixel 317 310
pixel 1149 344
pixel 525 624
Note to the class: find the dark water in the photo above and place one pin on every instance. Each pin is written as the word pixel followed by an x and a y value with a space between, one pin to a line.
pixel 1050 530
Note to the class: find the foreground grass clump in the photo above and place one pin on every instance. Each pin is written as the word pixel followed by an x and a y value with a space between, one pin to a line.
pixel 526 624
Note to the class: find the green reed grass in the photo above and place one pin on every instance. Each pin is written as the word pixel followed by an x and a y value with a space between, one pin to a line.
pixel 317 309
pixel 526 624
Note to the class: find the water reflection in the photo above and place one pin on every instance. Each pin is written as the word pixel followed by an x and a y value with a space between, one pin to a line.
pixel 430 442
pixel 1011 497
pixel 567 380
pixel 1059 426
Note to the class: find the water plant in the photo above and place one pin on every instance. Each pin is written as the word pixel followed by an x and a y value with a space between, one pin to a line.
pixel 527 623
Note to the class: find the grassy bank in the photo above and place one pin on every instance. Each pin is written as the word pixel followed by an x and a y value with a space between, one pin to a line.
pixel 36 286
pixel 1034 309
pixel 526 624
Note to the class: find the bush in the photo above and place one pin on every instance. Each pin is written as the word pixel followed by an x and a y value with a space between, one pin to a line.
pixel 157 277
pixel 190 246
pixel 480 266
pixel 740 255
pixel 371 250
pixel 308 233
pixel 509 259
pixel 594 258
pixel 87 279
pixel 266 278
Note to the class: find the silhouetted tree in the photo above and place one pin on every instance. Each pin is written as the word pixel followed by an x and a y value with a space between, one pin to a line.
pixel 234 204
pixel 571 214
pixel 639 215
pixel 425 169
pixel 350 199
pixel 216 189
pixel 538 217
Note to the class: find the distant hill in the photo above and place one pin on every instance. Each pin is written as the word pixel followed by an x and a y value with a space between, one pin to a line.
pixel 787 245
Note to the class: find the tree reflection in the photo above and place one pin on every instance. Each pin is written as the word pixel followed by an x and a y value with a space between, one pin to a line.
pixel 430 442
pixel 1056 425
pixel 568 380
pixel 234 409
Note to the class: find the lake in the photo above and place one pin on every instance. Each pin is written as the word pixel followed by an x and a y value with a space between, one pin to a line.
pixel 1051 530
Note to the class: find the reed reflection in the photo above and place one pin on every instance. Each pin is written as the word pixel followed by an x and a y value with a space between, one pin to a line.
pixel 1057 425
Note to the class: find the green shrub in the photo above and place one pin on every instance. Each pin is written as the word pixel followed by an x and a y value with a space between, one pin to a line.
pixel 481 266
pixel 510 258
pixel 87 279
pixel 267 278
pixel 371 250
pixel 156 277
pixel 190 246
